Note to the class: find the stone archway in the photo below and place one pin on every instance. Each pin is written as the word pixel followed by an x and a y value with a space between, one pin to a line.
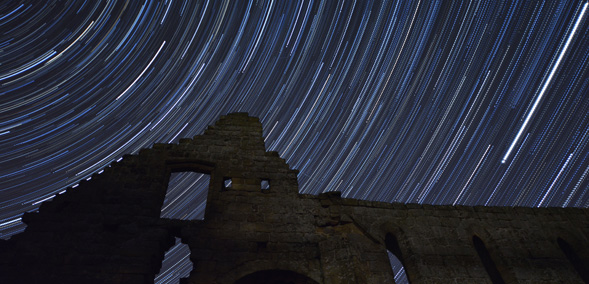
pixel 275 276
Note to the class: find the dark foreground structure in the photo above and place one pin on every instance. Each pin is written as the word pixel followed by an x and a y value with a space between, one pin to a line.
pixel 259 229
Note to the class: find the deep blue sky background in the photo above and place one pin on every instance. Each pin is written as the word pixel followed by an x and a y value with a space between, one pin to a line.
pixel 431 102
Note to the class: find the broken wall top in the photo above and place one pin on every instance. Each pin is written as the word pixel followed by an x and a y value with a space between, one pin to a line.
pixel 109 230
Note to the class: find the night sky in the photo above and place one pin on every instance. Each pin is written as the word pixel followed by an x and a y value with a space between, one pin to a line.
pixel 482 103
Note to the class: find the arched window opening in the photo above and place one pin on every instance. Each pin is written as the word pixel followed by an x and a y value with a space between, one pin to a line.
pixel 574 259
pixel 186 196
pixel 398 269
pixel 176 264
pixel 396 259
pixel 487 261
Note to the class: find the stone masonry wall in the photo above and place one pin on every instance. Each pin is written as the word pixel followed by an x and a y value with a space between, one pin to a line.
pixel 108 229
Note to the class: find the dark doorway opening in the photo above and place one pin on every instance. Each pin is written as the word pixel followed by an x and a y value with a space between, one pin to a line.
pixel 186 196
pixel 574 259
pixel 275 277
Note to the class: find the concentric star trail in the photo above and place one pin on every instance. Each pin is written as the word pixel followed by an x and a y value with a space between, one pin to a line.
pixel 546 84
pixel 478 103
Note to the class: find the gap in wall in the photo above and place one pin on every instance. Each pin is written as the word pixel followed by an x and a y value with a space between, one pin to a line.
pixel 186 196
pixel 176 264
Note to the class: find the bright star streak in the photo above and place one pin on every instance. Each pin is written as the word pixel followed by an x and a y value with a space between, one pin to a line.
pixel 147 67
pixel 545 86
pixel 392 102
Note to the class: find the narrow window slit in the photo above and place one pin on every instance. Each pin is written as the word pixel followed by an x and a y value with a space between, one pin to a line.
pixel 398 269
pixel 487 261
pixel 574 259
pixel 396 259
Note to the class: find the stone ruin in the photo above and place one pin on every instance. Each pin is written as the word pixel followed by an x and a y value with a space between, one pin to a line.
pixel 109 230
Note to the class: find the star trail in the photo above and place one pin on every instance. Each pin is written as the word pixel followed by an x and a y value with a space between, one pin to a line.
pixel 434 102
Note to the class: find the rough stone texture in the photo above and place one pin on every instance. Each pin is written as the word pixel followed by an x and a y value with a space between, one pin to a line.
pixel 108 230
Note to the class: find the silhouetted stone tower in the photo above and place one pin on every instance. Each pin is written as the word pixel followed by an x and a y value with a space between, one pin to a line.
pixel 258 228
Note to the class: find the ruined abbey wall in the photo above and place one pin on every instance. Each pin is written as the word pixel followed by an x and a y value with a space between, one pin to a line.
pixel 109 230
